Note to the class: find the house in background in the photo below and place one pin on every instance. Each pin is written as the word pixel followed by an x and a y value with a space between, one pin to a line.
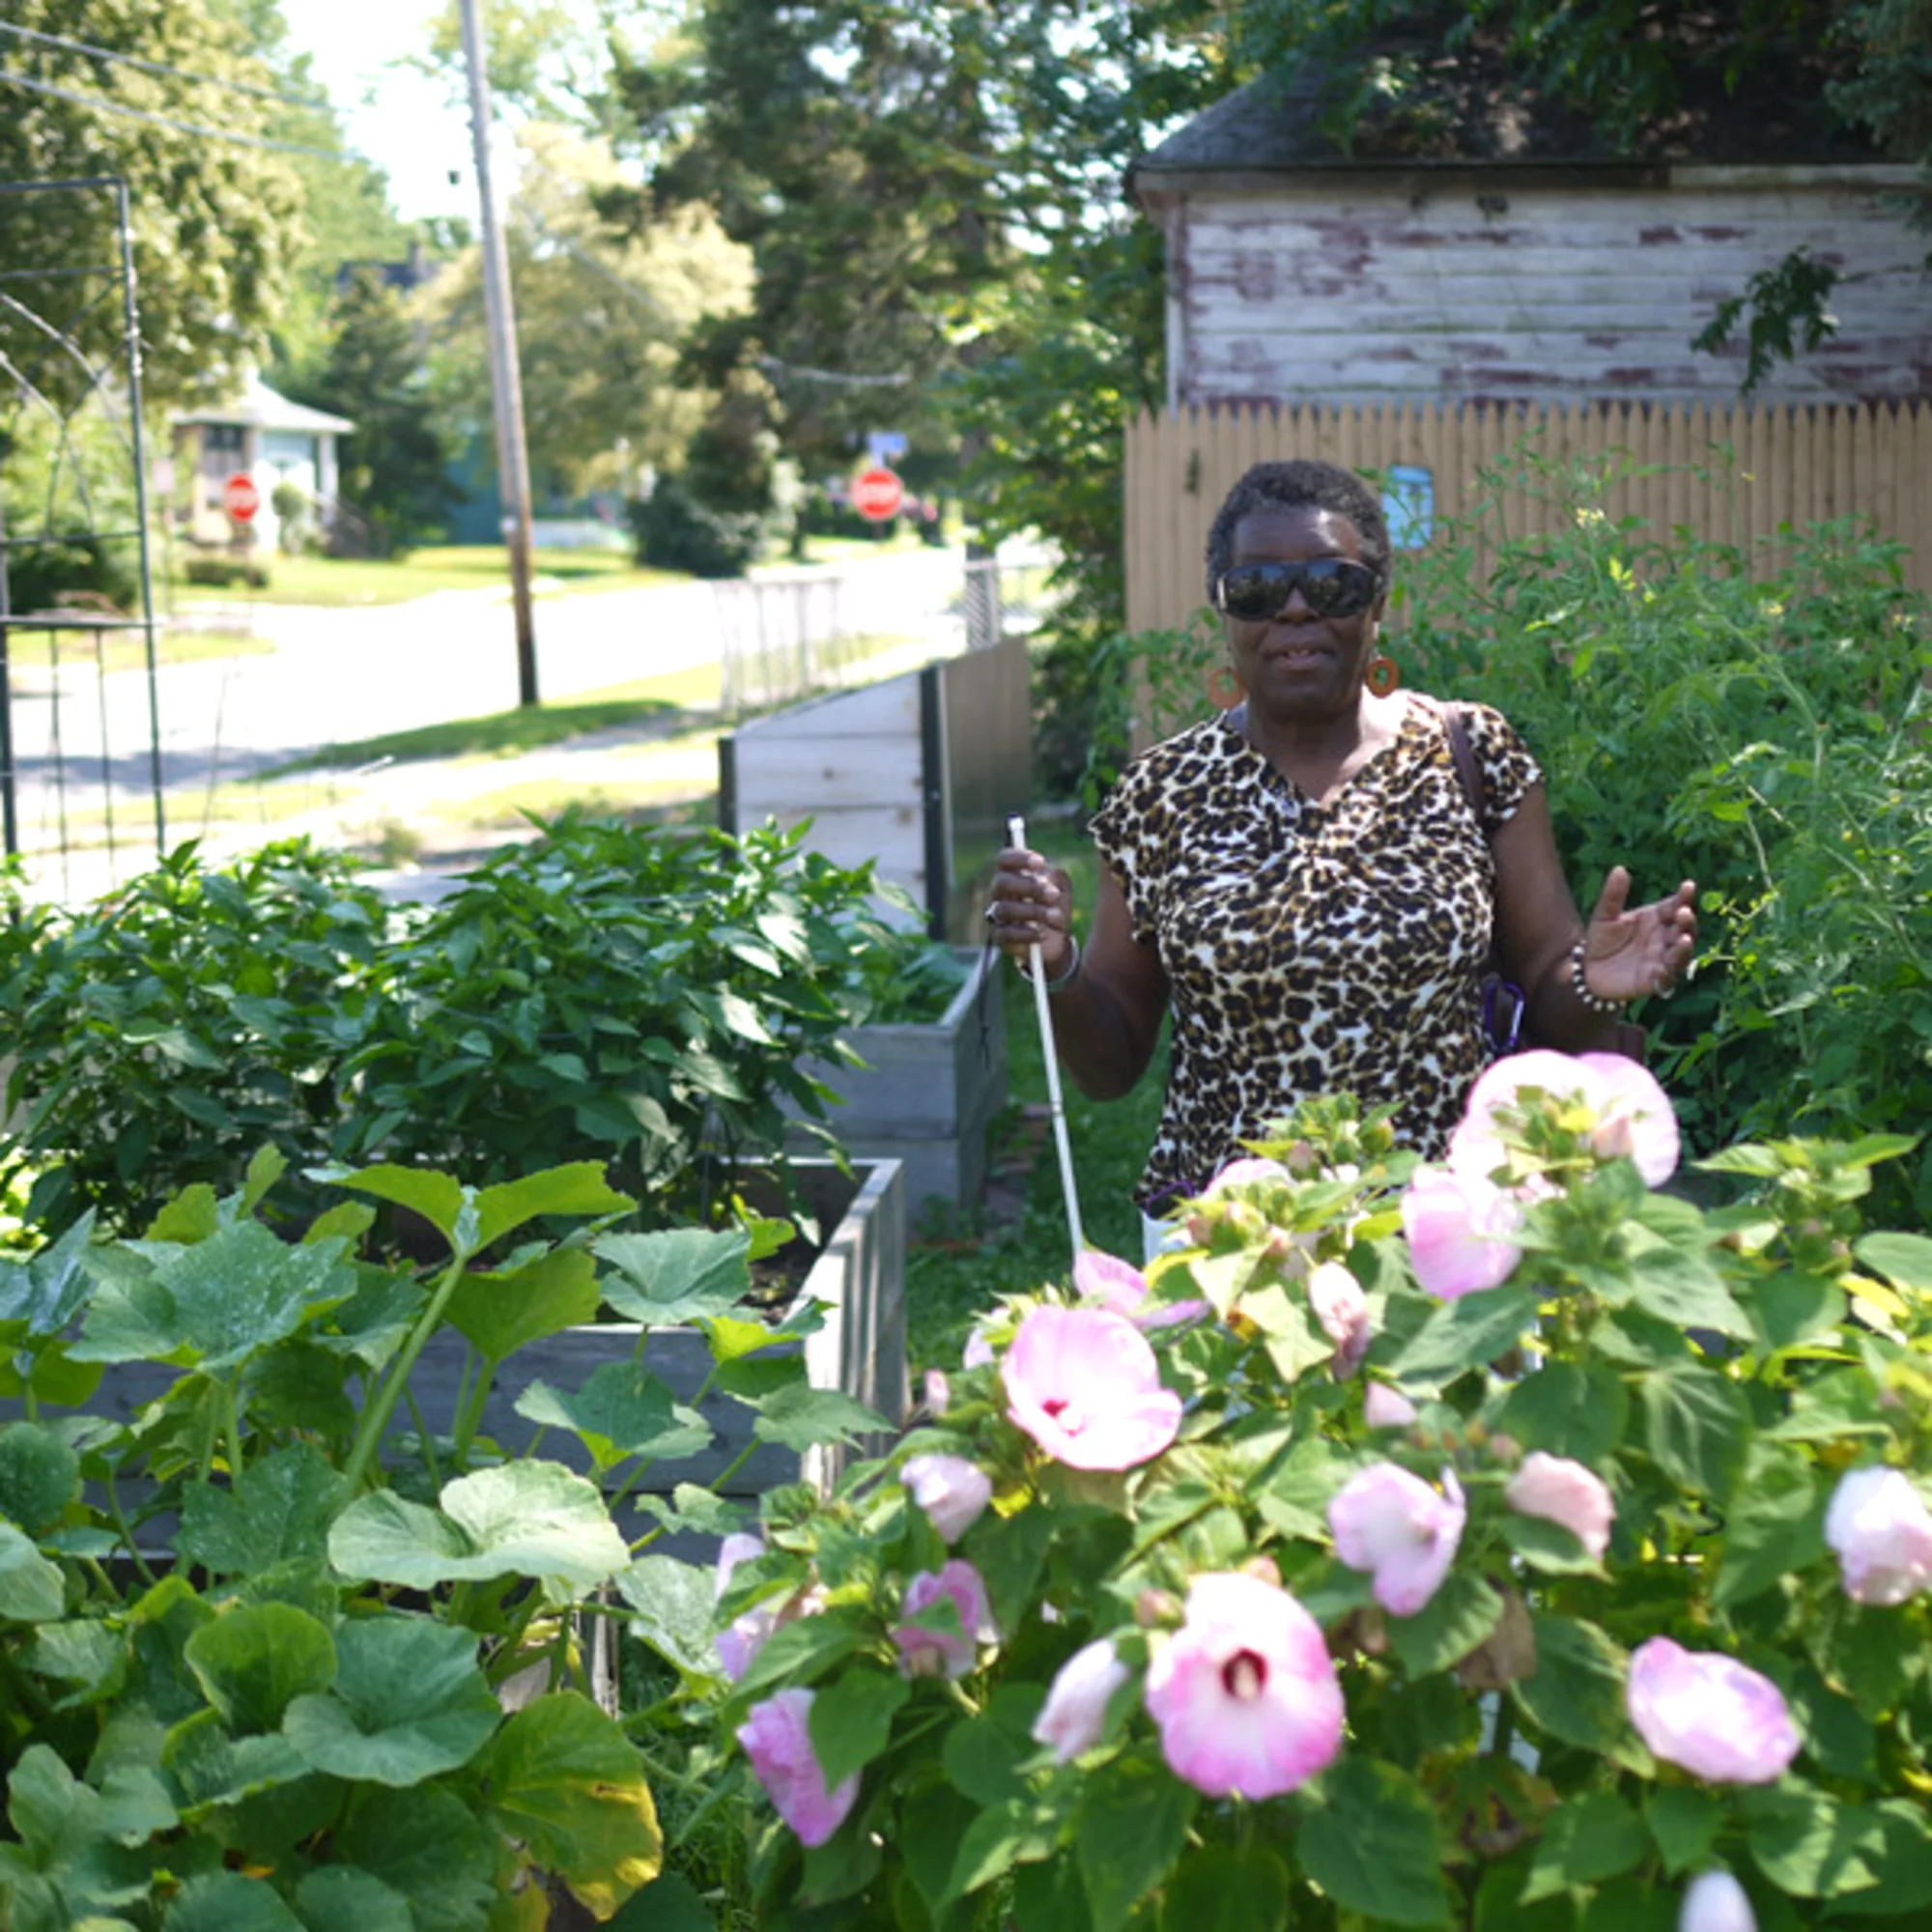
pixel 1475 266
pixel 1493 251
pixel 262 435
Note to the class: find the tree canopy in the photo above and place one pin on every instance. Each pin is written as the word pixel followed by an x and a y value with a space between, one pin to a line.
pixel 216 223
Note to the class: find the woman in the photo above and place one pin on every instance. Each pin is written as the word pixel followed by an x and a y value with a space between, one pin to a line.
pixel 1303 880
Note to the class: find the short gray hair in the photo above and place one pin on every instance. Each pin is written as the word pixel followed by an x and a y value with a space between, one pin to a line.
pixel 1301 485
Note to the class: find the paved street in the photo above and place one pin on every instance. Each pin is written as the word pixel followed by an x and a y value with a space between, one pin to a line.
pixel 336 676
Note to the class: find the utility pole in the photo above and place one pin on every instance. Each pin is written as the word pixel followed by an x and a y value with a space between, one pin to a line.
pixel 506 385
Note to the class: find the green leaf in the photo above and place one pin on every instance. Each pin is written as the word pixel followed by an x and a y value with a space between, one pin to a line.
pixel 192 1215
pixel 1371 1847
pixel 1577 1695
pixel 339 1899
pixel 1007 1552
pixel 1467 1334
pixel 1454 1621
pixel 1048 1896
pixel 1547 1547
pixel 935 1822
pixel 851 1720
pixel 50 1292
pixel 278 1511
pixel 1904 1259
pixel 730 1339
pixel 577 1189
pixel 1568 1408
pixel 1773 1525
pixel 254 1659
pixel 1696 1424
pixel 795 1653
pixel 621 1411
pixel 426 1844
pixel 1585 1840
pixel 1808 1844
pixel 1130 1829
pixel 1903 1862
pixel 667 1904
pixel 498 1314
pixel 1787 1308
pixel 409 1702
pixel 228 1902
pixel 215 1303
pixel 672 1602
pixel 1684 1820
pixel 436 1197
pixel 39 1475
pixel 1839 1402
pixel 1002 1836
pixel 211 1769
pixel 521 1519
pixel 89 1844
pixel 564 1780
pixel 1226 1889
pixel 982 1759
pixel 1681 1286
pixel 801 1418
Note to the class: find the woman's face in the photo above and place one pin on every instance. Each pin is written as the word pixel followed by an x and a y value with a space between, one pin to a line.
pixel 1298 662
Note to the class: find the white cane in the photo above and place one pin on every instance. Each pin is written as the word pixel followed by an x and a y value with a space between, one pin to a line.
pixel 1016 838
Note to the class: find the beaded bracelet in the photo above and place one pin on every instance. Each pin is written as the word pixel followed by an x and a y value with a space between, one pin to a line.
pixel 1579 985
pixel 1065 976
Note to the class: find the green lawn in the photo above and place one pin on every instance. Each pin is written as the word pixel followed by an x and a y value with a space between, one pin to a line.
pixel 953 1272
pixel 344 581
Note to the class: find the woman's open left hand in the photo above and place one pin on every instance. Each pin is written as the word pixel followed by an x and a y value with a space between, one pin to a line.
pixel 1629 952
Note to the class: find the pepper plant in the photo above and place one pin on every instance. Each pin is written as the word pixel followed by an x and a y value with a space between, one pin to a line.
pixel 1498 1542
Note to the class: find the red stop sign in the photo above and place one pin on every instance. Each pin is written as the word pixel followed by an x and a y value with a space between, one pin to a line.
pixel 240 496
pixel 877 493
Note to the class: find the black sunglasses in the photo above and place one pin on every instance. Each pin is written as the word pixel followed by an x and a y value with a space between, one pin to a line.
pixel 1332 586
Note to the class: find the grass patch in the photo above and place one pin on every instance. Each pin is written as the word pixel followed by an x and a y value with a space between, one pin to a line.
pixel 953 1273
pixel 500 734
pixel 645 799
pixel 127 650
pixel 345 581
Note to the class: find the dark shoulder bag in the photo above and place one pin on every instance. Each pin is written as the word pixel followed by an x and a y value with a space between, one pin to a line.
pixel 1505 1003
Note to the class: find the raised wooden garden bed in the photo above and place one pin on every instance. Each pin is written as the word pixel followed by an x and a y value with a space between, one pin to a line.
pixel 929 1091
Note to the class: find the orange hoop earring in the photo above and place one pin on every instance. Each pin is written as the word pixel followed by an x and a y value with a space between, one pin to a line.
pixel 1224 688
pixel 1385 675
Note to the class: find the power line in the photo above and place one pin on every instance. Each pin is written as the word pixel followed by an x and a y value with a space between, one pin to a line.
pixel 168 121
pixel 161 67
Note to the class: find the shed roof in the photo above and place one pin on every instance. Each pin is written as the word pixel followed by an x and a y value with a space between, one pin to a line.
pixel 1464 111
pixel 258 407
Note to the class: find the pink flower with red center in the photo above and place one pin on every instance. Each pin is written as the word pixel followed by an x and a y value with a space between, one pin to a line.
pixel 1565 1492
pixel 1122 1289
pixel 1633 1116
pixel 1244 1693
pixel 1342 1309
pixel 935 1652
pixel 1084 1385
pixel 1710 1714
pixel 777 1737
pixel 1401 1530
pixel 1458 1230
pixel 1878 1525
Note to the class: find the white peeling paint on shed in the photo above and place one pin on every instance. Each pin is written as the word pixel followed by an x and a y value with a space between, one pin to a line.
pixel 1346 288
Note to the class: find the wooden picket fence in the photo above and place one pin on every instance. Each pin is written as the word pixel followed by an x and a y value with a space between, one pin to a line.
pixel 1729 474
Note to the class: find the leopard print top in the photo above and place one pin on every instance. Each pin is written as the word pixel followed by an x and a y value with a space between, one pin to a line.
pixel 1311 948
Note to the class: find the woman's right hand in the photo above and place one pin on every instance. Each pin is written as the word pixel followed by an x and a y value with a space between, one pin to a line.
pixel 1032 903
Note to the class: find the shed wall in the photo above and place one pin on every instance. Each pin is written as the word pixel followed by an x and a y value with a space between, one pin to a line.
pixel 1361 290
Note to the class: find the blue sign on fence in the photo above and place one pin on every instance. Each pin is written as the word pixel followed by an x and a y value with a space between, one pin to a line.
pixel 882 444
pixel 1408 505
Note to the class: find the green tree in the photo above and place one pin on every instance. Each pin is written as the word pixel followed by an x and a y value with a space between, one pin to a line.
pixel 216 223
pixel 394 463
pixel 601 314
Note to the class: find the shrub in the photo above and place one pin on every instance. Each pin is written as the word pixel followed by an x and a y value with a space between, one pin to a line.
pixel 162 1035
pixel 672 530
pixel 1503 1542
pixel 630 996
pixel 224 571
